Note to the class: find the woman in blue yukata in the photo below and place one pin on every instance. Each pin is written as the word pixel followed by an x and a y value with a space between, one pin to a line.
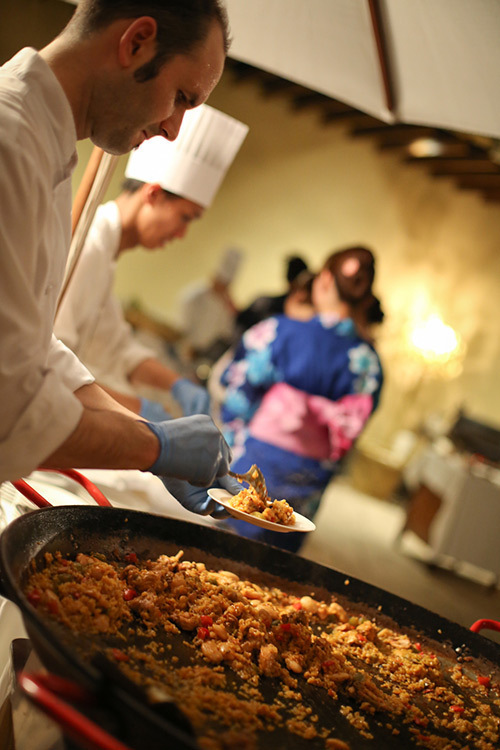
pixel 299 392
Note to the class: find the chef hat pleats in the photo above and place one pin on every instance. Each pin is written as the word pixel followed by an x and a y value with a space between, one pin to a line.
pixel 195 164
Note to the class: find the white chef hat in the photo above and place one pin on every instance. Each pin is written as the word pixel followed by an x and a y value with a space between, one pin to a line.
pixel 229 265
pixel 194 165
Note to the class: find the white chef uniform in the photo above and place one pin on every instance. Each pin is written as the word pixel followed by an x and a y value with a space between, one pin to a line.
pixel 90 319
pixel 205 317
pixel 38 374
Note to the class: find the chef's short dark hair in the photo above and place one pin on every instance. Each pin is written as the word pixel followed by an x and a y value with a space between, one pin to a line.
pixel 182 24
pixel 130 185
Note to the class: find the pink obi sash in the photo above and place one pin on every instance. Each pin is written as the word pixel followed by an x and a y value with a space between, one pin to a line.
pixel 311 426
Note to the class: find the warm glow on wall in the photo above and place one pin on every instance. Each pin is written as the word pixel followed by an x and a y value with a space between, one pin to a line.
pixel 435 341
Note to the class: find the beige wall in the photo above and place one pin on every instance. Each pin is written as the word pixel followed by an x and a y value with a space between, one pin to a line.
pixel 296 185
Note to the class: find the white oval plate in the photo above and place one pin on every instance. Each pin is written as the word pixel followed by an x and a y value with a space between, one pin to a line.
pixel 301 522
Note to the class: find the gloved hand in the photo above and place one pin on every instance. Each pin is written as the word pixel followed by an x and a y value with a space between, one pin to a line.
pixel 191 448
pixel 153 411
pixel 196 500
pixel 193 399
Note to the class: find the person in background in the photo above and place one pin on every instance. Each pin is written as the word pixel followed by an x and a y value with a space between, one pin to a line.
pixel 265 306
pixel 207 311
pixel 167 186
pixel 299 392
pixel 298 302
pixel 119 73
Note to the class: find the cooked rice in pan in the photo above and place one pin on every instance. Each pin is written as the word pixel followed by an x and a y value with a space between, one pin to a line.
pixel 241 636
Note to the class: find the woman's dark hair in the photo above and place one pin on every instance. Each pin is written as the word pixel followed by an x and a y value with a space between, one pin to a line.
pixel 294 265
pixel 353 287
pixel 372 310
pixel 182 24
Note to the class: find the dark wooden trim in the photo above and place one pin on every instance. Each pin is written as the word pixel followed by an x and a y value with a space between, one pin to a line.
pixel 481 181
pixel 413 131
pixel 381 42
pixel 465 167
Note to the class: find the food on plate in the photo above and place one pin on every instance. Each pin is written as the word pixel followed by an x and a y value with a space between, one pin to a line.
pixel 276 511
pixel 255 662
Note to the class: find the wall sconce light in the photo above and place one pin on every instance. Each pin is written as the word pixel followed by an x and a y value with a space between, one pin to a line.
pixel 434 340
pixel 425 147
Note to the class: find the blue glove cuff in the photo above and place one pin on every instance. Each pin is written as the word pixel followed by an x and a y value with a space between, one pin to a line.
pixel 143 411
pixel 157 467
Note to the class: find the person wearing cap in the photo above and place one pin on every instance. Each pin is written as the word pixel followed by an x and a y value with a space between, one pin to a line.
pixel 299 392
pixel 119 73
pixel 267 305
pixel 165 189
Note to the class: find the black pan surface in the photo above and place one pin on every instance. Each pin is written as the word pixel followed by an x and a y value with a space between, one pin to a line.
pixel 112 531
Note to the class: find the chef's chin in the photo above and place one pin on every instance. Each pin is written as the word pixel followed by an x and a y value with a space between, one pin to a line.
pixel 116 143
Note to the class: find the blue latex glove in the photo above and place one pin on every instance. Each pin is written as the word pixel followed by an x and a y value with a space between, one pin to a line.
pixel 153 411
pixel 191 448
pixel 193 399
pixel 196 500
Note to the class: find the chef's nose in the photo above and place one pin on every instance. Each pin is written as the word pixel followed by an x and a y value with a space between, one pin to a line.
pixel 171 126
pixel 181 232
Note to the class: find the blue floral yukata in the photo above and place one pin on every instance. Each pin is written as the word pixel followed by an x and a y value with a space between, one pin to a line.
pixel 298 394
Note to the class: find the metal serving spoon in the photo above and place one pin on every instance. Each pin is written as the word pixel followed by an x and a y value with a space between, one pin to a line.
pixel 254 478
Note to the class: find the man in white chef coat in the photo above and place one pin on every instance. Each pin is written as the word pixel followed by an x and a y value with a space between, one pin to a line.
pixel 168 185
pixel 207 310
pixel 118 74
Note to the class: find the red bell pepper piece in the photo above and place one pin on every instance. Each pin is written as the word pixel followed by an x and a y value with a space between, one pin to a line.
pixel 119 655
pixel 485 681
pixel 34 597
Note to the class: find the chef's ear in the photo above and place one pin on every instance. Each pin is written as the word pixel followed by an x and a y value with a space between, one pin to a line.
pixel 137 44
pixel 152 193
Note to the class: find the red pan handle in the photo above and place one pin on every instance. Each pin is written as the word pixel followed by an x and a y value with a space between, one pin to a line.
pixel 25 489
pixel 46 691
pixel 482 624
pixel 31 494
pixel 93 491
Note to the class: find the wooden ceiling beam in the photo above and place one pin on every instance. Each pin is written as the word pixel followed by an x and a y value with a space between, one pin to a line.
pixel 354 116
pixel 415 131
pixel 481 181
pixel 491 195
pixel 274 85
pixel 333 109
pixel 402 139
pixel 241 71
pixel 308 99
pixel 467 167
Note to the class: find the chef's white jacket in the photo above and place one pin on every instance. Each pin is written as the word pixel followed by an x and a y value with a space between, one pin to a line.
pixel 90 319
pixel 38 374
pixel 205 317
